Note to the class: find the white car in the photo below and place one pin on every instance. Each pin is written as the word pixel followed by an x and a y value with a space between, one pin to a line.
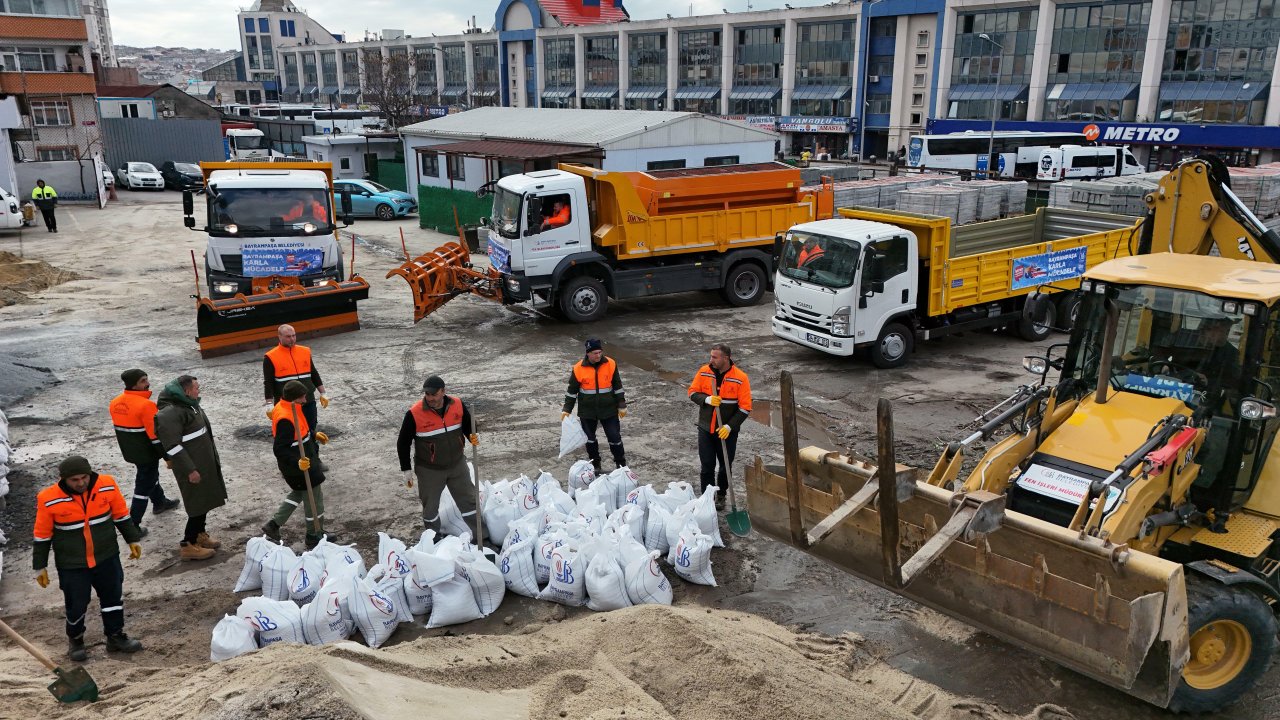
pixel 10 211
pixel 139 176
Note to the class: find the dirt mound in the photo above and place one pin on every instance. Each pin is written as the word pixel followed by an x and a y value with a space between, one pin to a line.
pixel 644 663
pixel 19 276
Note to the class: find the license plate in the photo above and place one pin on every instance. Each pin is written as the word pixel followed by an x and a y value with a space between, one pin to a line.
pixel 817 340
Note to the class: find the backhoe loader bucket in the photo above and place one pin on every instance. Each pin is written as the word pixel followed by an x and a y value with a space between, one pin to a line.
pixel 245 322
pixel 439 276
pixel 1111 613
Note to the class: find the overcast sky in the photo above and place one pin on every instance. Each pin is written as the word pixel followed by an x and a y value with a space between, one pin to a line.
pixel 212 23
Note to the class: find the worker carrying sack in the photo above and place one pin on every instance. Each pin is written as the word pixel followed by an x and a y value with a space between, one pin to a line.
pixel 572 436
pixel 232 636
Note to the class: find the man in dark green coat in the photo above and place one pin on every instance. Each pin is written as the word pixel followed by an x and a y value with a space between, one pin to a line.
pixel 187 437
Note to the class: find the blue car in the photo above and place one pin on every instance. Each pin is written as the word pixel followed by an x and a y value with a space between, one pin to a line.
pixel 369 199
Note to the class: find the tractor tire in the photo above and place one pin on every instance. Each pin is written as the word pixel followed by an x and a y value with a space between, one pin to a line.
pixel 744 285
pixel 385 212
pixel 583 299
pixel 1233 636
pixel 893 347
pixel 1032 331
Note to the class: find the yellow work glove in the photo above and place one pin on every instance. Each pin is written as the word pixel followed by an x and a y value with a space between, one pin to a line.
pixel 724 431
pixel 622 414
pixel 324 401
pixel 563 415
pixel 43 578
pixel 408 478
pixel 268 413
pixel 714 401
pixel 135 551
pixel 304 464
pixel 474 438
pixel 322 438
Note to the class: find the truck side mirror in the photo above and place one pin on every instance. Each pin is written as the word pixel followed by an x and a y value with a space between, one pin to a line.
pixel 777 248
pixel 189 222
pixel 346 203
pixel 534 216
pixel 188 204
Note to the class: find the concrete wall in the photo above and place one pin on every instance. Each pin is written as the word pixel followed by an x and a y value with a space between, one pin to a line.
pixel 74 181
pixel 156 141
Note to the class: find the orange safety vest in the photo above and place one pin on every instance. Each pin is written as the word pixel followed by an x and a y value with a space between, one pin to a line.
pixel 809 254
pixel 291 363
pixel 438 440
pixel 285 410
pixel 595 379
pixel 84 523
pixel 734 391
pixel 296 212
pixel 134 416
pixel 560 218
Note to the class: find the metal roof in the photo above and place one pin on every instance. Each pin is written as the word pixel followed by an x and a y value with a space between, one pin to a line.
pixel 595 128
pixel 510 149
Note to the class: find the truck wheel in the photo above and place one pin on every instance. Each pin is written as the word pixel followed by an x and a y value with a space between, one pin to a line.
pixel 744 285
pixel 384 212
pixel 1233 636
pixel 1069 309
pixel 892 347
pixel 583 299
pixel 1034 331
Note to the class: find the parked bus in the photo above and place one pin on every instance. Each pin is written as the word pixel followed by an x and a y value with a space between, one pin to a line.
pixel 1018 152
pixel 1072 162
pixel 348 121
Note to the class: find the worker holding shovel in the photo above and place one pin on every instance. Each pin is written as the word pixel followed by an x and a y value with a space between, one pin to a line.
pixel 294 445
pixel 722 392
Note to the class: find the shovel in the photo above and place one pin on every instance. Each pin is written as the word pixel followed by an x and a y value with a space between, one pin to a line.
pixel 73 685
pixel 306 474
pixel 739 521
pixel 475 467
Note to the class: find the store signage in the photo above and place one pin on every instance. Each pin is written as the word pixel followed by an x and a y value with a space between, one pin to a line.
pixel 1120 133
pixel 1132 133
pixel 760 122
pixel 799 123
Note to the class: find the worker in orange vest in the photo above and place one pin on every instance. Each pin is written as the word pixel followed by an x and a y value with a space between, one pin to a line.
pixel 290 361
pixel 559 215
pixel 595 386
pixel 302 207
pixel 294 446
pixel 133 413
pixel 437 428
pixel 722 392
pixel 77 519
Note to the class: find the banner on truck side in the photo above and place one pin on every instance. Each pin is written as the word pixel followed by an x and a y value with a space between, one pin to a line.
pixel 267 259
pixel 1048 267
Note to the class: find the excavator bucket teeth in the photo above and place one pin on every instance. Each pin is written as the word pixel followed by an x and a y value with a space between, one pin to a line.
pixel 1116 615
pixel 437 277
pixel 245 322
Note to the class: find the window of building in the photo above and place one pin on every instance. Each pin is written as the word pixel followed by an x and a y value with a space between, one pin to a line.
pixel 63 8
pixel 699 58
pixel 1004 59
pixel 351 68
pixel 457 167
pixel 56 153
pixel 344 163
pixel 720 160
pixel 268 55
pixel 601 60
pixel 558 63
pixel 290 62
pixel 823 53
pixel 329 68
pixel 485 64
pixel 288 29
pixel 255 97
pixel 917 99
pixel 264 26
pixel 918 80
pixel 250 25
pixel 880 66
pixel 1097 43
pixel 129 110
pixel 915 118
pixel 50 113
pixel 29 59
pixel 922 59
pixel 429 164
pixel 424 68
pixel 758 56
pixel 879 103
pixel 310 78
pixel 884 27
pixel 665 164
pixel 251 48
pixel 922 39
pixel 647 54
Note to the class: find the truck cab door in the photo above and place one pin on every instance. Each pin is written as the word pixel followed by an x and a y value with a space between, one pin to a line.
pixel 887 284
pixel 554 227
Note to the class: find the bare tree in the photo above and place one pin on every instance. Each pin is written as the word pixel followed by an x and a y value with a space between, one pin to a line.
pixel 388 84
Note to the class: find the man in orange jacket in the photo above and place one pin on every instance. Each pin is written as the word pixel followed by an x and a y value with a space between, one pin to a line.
pixel 133 413
pixel 722 392
pixel 78 518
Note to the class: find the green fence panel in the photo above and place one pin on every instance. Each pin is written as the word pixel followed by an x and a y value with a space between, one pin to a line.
pixel 436 206
pixel 391 174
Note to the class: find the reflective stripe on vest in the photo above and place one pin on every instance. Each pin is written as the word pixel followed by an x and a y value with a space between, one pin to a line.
pixel 429 423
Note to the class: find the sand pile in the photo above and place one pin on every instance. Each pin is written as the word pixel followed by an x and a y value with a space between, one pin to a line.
pixel 643 663
pixel 19 277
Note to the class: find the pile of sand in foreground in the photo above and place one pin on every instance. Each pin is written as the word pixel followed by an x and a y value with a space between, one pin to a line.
pixel 643 663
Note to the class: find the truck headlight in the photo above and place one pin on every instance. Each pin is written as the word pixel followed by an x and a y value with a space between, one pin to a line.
pixel 840 320
pixel 308 228
pixel 226 288
pixel 777 307
pixel 1255 409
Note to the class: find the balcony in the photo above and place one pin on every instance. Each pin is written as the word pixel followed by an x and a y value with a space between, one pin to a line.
pixel 47 83
pixel 18 27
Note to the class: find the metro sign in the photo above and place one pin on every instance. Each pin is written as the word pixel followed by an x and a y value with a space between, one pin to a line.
pixel 1132 133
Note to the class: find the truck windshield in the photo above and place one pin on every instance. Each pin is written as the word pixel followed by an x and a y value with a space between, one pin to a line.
pixel 1169 343
pixel 506 212
pixel 249 142
pixel 269 212
pixel 820 259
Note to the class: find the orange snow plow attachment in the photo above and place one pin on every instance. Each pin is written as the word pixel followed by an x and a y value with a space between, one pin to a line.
pixel 439 276
pixel 245 322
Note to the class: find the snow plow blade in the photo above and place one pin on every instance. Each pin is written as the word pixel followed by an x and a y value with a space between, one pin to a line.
pixel 439 276
pixel 245 322
pixel 1114 614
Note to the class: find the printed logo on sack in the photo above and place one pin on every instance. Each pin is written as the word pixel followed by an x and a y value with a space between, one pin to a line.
pixel 564 572
pixel 401 567
pixel 262 622
pixel 304 581
pixel 633 497
pixel 654 571
pixel 515 536
pixel 682 554
pixel 506 565
pixel 530 502
pixel 382 603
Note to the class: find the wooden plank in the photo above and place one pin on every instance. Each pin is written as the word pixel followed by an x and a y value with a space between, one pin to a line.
pixel 888 495
pixel 850 506
pixel 791 458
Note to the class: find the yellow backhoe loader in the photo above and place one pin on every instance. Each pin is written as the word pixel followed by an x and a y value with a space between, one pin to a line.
pixel 1122 521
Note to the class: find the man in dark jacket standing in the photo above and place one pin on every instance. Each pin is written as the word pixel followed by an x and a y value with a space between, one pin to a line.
pixel 595 386
pixel 437 428
pixel 46 198
pixel 133 413
pixel 290 440
pixel 78 518
pixel 187 437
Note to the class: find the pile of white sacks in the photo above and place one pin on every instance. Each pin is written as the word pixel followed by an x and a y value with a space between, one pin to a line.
pixel 597 544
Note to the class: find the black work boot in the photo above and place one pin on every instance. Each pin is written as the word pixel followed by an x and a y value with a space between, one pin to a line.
pixel 122 643
pixel 595 463
pixel 143 532
pixel 313 540
pixel 164 505
pixel 76 650
pixel 272 530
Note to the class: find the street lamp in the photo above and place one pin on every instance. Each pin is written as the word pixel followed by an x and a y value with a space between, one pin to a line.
pixel 995 108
